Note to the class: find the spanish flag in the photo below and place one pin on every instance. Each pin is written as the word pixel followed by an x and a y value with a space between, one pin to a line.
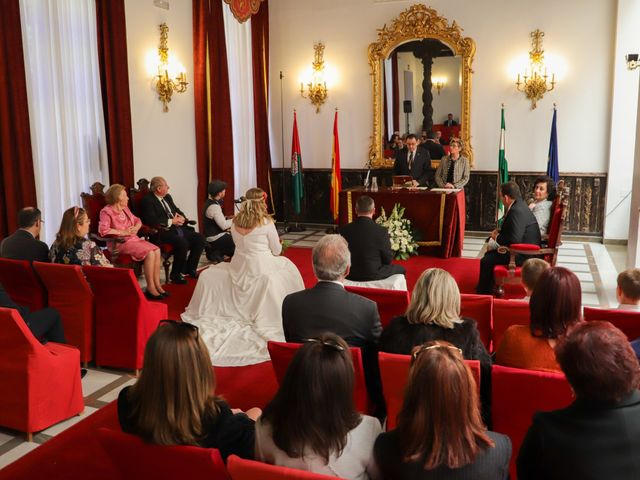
pixel 336 177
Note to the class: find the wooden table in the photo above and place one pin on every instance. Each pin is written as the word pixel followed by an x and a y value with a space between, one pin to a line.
pixel 437 217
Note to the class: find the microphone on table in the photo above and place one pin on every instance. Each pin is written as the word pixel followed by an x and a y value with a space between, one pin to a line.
pixel 239 200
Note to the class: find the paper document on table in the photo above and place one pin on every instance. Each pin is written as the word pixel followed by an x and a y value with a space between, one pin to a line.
pixel 446 190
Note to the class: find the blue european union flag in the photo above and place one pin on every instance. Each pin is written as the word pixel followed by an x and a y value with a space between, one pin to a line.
pixel 552 162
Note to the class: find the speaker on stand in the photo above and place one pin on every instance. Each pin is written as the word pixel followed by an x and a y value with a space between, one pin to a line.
pixel 406 105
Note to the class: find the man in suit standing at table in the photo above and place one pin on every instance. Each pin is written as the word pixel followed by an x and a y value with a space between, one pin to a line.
pixel 369 245
pixel 158 211
pixel 519 226
pixel 414 161
pixel 23 244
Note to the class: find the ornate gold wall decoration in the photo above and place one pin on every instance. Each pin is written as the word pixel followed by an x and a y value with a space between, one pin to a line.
pixel 418 22
pixel 243 9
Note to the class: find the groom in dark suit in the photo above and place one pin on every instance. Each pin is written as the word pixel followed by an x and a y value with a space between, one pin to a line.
pixel 158 211
pixel 369 245
pixel 414 161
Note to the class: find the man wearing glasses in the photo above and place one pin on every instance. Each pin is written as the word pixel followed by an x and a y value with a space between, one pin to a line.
pixel 24 244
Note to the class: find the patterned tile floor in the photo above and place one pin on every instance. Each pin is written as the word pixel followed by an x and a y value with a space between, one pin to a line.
pixel 596 266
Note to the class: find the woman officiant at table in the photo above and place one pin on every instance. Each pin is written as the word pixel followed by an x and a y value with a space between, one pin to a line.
pixel 453 171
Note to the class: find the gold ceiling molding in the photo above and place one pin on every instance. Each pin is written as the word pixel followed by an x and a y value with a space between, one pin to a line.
pixel 415 23
pixel 243 9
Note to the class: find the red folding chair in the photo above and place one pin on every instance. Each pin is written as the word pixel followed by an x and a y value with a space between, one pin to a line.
pixel 394 372
pixel 391 303
pixel 22 284
pixel 134 458
pixel 626 320
pixel 282 353
pixel 40 383
pixel 518 394
pixel 505 314
pixel 70 294
pixel 241 469
pixel 246 386
pixel 125 319
pixel 480 308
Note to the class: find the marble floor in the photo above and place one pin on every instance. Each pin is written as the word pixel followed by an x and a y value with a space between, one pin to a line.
pixel 596 266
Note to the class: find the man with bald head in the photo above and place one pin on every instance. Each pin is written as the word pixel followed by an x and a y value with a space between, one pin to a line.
pixel 158 210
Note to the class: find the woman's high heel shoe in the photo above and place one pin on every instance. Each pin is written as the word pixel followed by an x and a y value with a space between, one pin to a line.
pixel 151 296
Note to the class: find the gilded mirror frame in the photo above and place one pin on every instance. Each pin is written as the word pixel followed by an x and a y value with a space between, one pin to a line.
pixel 415 23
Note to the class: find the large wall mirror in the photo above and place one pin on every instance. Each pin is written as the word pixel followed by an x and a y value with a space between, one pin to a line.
pixel 421 71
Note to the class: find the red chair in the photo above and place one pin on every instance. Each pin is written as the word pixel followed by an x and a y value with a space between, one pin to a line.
pixel 246 386
pixel 394 372
pixel 134 458
pixel 40 384
pixel 626 320
pixel 282 353
pixel 125 319
pixel 22 284
pixel 480 308
pixel 241 469
pixel 391 303
pixel 505 314
pixel 70 294
pixel 518 394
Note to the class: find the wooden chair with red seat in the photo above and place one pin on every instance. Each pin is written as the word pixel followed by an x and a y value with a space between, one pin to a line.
pixel 22 284
pixel 510 274
pixel 125 319
pixel 394 372
pixel 40 383
pixel 391 303
pixel 517 394
pixel 505 314
pixel 480 308
pixel 166 249
pixel 282 353
pixel 241 469
pixel 626 320
pixel 70 294
pixel 134 458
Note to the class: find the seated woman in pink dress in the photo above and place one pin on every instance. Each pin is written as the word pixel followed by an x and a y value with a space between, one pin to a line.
pixel 117 219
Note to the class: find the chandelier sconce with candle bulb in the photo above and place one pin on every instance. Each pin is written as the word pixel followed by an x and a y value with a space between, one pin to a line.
pixel 438 83
pixel 317 85
pixel 534 82
pixel 164 84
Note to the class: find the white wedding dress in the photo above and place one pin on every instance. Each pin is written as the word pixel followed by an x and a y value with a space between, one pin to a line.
pixel 237 306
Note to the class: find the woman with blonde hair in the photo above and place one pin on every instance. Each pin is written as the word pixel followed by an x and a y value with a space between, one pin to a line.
pixel 71 246
pixel 117 220
pixel 173 401
pixel 238 305
pixel 440 433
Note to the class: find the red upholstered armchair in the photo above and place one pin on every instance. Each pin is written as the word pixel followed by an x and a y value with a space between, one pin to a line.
pixel 391 303
pixel 134 458
pixel 22 284
pixel 40 384
pixel 517 394
pixel 480 308
pixel 282 353
pixel 510 274
pixel 394 372
pixel 70 294
pixel 125 319
pixel 626 320
pixel 505 314
pixel 241 469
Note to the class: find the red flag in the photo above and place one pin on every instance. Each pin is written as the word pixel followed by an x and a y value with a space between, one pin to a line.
pixel 336 176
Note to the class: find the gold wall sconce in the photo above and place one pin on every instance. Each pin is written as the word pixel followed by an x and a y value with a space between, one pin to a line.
pixel 317 85
pixel 534 82
pixel 438 83
pixel 165 85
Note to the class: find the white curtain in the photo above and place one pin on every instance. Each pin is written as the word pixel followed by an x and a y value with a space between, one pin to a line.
pixel 65 105
pixel 388 80
pixel 238 39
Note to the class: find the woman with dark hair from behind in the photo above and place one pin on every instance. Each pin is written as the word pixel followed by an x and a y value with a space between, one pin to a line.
pixel 440 433
pixel 311 424
pixel 173 403
pixel 598 435
pixel 555 305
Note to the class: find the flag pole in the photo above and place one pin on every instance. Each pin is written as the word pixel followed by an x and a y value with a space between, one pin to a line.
pixel 498 177
pixel 284 196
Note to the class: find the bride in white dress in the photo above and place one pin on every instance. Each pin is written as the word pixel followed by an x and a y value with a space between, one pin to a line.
pixel 237 306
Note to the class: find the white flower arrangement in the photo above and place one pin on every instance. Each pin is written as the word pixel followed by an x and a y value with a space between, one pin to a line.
pixel 400 232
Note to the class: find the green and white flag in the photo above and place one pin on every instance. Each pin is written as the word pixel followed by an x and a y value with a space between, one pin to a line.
pixel 503 167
